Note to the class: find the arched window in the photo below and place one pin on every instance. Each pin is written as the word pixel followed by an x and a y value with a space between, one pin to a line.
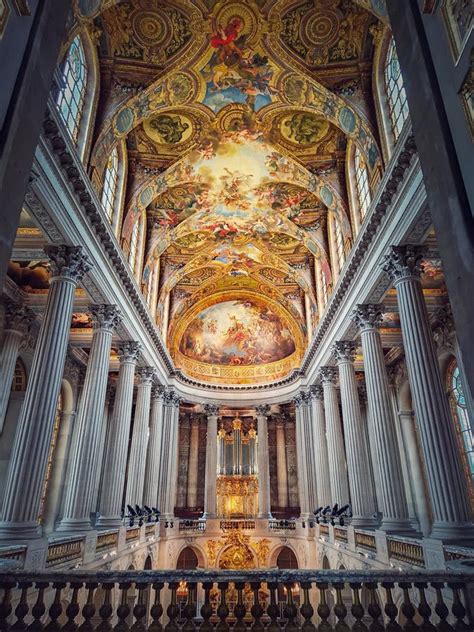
pixel 109 191
pixel 324 287
pixel 134 239
pixel 362 183
pixel 19 377
pixel 396 96
pixel 71 95
pixel 464 430
pixel 187 559
pixel 339 243
pixel 286 558
pixel 149 286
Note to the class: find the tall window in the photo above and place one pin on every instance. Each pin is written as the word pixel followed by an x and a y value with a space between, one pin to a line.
pixel 362 183
pixel 132 257
pixel 396 96
pixel 339 243
pixel 109 192
pixel 324 287
pixel 149 288
pixel 464 430
pixel 71 94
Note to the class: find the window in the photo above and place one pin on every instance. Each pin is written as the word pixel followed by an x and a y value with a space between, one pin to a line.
pixel 464 430
pixel 70 99
pixel 109 192
pixel 396 96
pixel 149 287
pixel 324 287
pixel 19 377
pixel 132 257
pixel 339 243
pixel 362 183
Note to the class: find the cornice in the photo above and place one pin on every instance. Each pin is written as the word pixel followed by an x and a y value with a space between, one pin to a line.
pixel 73 170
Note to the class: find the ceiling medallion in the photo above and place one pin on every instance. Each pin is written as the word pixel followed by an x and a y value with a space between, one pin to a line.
pixel 150 28
pixel 321 28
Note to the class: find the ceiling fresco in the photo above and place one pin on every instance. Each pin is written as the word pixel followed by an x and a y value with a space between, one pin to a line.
pixel 236 130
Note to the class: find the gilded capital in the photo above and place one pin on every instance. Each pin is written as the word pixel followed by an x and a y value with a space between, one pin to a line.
pixel 129 351
pixel 344 350
pixel 105 316
pixel 368 315
pixel 68 261
pixel 403 262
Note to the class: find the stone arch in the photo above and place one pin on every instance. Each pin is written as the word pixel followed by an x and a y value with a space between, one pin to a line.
pixel 278 550
pixel 325 563
pixel 196 551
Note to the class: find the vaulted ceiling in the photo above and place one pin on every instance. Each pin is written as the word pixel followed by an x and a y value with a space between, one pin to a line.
pixel 235 117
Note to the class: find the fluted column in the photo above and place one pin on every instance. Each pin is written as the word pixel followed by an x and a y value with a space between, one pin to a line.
pixel 170 461
pixel 282 474
pixel 210 492
pixel 362 499
pixel 264 510
pixel 18 319
pixel 320 447
pixel 193 463
pixel 84 461
pixel 117 447
pixel 335 440
pixel 153 459
pixel 301 462
pixel 29 457
pixel 449 500
pixel 386 457
pixel 138 446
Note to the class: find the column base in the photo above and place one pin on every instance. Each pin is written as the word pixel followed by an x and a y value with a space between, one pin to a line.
pixel 208 516
pixel 399 527
pixel 365 522
pixel 108 522
pixel 20 531
pixel 453 532
pixel 74 525
pixel 265 516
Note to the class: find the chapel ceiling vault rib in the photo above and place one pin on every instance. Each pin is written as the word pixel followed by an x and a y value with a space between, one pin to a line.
pixel 235 117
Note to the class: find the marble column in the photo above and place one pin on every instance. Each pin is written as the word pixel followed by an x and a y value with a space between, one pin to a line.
pixel 138 446
pixel 18 319
pixel 282 474
pixel 386 457
pixel 301 449
pixel 193 463
pixel 171 422
pixel 116 455
pixel 448 493
pixel 29 457
pixel 152 471
pixel 410 441
pixel 362 499
pixel 104 433
pixel 264 510
pixel 320 447
pixel 90 418
pixel 210 492
pixel 335 440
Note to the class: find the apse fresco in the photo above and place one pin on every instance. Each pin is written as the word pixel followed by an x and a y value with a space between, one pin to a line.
pixel 237 333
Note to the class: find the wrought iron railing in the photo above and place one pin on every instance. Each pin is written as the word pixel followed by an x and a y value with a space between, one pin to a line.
pixel 273 599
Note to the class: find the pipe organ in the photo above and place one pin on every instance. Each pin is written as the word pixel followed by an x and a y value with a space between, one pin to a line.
pixel 237 483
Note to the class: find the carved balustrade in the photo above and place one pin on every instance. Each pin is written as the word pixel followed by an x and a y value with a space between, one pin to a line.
pixel 196 601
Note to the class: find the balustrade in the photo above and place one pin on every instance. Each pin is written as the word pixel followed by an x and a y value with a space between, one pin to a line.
pixel 289 600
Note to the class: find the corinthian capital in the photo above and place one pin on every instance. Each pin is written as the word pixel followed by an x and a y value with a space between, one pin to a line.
pixel 211 409
pixel 129 351
pixel 145 374
pixel 368 316
pixel 105 316
pixel 262 410
pixel 68 261
pixel 317 391
pixel 403 262
pixel 344 350
pixel 328 374
pixel 18 318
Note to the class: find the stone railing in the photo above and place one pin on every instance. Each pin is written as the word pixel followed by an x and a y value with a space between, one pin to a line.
pixel 407 551
pixel 192 525
pixel 233 525
pixel 237 600
pixel 282 525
